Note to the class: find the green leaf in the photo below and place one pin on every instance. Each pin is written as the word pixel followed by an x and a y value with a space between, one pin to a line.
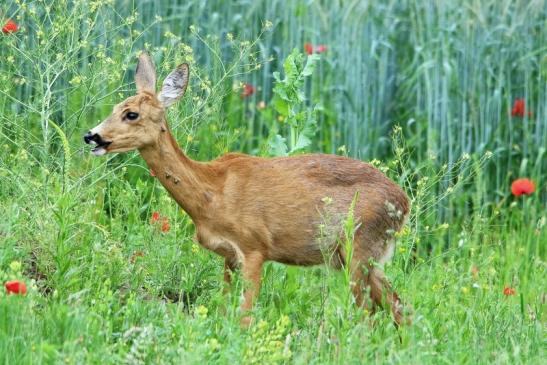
pixel 302 142
pixel 310 65
pixel 278 146
pixel 281 105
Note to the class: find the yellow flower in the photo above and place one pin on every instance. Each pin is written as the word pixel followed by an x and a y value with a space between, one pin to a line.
pixel 202 311
pixel 213 344
pixel 465 290
pixel 76 80
pixel 15 266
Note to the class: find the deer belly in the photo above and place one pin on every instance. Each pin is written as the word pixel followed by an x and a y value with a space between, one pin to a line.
pixel 301 255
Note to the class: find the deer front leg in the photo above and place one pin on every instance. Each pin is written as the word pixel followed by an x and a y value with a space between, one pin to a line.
pixel 230 264
pixel 252 272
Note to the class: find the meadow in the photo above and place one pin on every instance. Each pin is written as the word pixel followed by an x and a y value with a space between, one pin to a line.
pixel 447 98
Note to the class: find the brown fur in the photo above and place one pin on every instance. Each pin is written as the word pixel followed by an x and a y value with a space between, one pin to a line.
pixel 289 209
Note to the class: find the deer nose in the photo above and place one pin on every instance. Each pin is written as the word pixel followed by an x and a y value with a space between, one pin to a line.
pixel 92 137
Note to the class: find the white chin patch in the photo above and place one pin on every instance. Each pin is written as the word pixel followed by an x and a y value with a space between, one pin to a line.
pixel 98 151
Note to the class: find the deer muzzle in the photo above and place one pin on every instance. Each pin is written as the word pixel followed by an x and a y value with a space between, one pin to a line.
pixel 95 138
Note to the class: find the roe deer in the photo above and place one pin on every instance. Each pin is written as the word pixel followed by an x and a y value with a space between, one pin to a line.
pixel 251 209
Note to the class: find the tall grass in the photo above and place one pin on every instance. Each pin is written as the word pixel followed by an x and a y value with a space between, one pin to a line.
pixel 423 90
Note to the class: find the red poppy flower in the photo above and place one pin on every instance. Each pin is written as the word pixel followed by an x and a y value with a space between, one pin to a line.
pixel 311 49
pixel 152 173
pixel 155 217
pixel 522 186
pixel 16 287
pixel 507 291
pixel 320 48
pixel 519 109
pixel 10 27
pixel 248 90
pixel 165 227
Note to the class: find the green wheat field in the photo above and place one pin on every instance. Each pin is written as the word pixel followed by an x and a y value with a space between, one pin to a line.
pixel 98 264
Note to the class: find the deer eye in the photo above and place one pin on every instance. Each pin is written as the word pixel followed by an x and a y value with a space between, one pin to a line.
pixel 132 115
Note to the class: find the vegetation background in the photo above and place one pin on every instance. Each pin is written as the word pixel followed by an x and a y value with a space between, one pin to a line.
pixel 426 91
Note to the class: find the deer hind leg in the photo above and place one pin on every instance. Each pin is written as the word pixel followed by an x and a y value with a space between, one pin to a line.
pixel 381 292
pixel 366 276
pixel 359 279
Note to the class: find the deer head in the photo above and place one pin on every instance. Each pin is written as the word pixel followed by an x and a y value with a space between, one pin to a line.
pixel 139 120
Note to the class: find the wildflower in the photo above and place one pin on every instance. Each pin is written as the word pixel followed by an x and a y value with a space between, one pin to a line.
pixel 248 90
pixel 16 287
pixel 320 48
pixel 261 105
pixel 268 24
pixel 507 291
pixel 519 109
pixel 152 173
pixel 10 27
pixel 15 266
pixel 522 186
pixel 213 344
pixel 76 80
pixel 202 311
pixel 465 290
pixel 165 227
pixel 155 217
pixel 311 49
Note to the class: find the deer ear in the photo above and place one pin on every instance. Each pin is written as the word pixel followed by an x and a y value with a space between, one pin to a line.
pixel 145 74
pixel 174 85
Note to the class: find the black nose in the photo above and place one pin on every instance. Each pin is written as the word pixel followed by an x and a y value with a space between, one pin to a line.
pixel 89 137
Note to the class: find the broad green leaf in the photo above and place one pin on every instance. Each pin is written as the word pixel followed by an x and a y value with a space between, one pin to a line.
pixel 310 65
pixel 278 147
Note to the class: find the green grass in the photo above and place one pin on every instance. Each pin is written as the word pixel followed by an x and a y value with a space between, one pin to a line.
pixel 424 91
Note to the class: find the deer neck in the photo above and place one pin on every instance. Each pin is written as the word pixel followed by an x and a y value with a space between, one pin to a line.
pixel 189 182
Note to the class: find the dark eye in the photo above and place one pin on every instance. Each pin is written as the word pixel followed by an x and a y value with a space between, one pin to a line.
pixel 132 115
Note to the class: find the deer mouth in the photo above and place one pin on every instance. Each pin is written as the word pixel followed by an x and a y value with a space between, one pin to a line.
pixel 100 149
pixel 95 139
